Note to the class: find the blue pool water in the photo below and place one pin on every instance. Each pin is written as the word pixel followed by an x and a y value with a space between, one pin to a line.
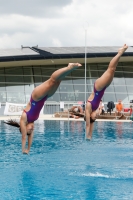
pixel 62 165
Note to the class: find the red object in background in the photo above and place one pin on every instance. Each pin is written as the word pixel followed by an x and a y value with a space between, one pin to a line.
pixel 126 109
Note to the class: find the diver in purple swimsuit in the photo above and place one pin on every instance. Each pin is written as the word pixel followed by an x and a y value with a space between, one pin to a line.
pixel 99 87
pixel 38 98
pixel 36 106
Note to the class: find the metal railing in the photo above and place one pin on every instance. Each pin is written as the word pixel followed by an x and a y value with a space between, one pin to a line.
pixel 51 108
pixel 54 107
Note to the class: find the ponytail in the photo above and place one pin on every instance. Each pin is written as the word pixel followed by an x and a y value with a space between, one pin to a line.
pixel 12 123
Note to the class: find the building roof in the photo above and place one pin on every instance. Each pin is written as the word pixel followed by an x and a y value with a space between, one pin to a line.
pixel 27 56
pixel 39 53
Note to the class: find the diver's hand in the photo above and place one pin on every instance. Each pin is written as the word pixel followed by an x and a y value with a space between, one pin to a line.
pixel 26 151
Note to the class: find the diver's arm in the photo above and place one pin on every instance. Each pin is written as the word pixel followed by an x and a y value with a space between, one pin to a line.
pixel 30 137
pixel 24 133
pixel 26 151
pixel 91 129
pixel 87 114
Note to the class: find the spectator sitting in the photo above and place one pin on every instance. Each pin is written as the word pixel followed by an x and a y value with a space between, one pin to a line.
pixel 76 112
pixel 101 109
pixel 119 108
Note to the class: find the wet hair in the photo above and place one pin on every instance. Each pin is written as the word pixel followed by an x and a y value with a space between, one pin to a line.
pixel 91 120
pixel 14 123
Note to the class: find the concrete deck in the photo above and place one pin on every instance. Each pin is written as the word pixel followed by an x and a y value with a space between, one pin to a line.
pixel 50 117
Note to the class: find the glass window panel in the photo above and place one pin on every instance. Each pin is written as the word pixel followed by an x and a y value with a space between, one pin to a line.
pixel 78 81
pixel 91 81
pixel 119 81
pixel 94 74
pixel 66 81
pixel 14 79
pixel 93 66
pixel 28 79
pixel 55 97
pixel 130 97
pixel 27 97
pixel 128 75
pixel 2 87
pixel 102 67
pixel 80 96
pixel 67 96
pixel 17 88
pixel 129 81
pixel 78 73
pixel 120 89
pixel 118 74
pixel 66 88
pixel 100 73
pixel 109 97
pixel 88 74
pixel 121 96
pixel 128 68
pixel 14 71
pixel 79 88
pixel 27 71
pixel 3 97
pixel 2 78
pixel 37 70
pixel 110 88
pixel 88 81
pixel 90 88
pixel 15 97
pixel 50 66
pixel 130 89
pixel 37 79
pixel 29 88
pixel 36 84
pixel 128 64
pixel 2 71
pixel 45 78
pixel 47 72
pixel 119 68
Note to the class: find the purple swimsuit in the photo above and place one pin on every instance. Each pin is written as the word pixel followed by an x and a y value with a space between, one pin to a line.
pixel 97 97
pixel 36 106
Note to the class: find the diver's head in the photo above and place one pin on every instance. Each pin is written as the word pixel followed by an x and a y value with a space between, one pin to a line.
pixel 93 117
pixel 30 128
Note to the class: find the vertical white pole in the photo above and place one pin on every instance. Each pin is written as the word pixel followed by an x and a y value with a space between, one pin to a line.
pixel 85 72
pixel 85 60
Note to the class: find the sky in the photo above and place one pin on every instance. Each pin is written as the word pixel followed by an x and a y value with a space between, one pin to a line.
pixel 63 23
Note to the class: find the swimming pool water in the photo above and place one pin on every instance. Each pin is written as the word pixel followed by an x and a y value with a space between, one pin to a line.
pixel 62 165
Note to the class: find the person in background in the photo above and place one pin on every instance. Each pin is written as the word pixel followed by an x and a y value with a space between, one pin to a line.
pixel 76 112
pixel 110 107
pixel 101 109
pixel 119 108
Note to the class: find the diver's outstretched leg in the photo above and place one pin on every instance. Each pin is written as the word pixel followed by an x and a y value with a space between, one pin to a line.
pixel 108 75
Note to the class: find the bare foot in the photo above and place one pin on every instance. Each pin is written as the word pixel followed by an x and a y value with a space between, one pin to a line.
pixel 74 65
pixel 122 49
